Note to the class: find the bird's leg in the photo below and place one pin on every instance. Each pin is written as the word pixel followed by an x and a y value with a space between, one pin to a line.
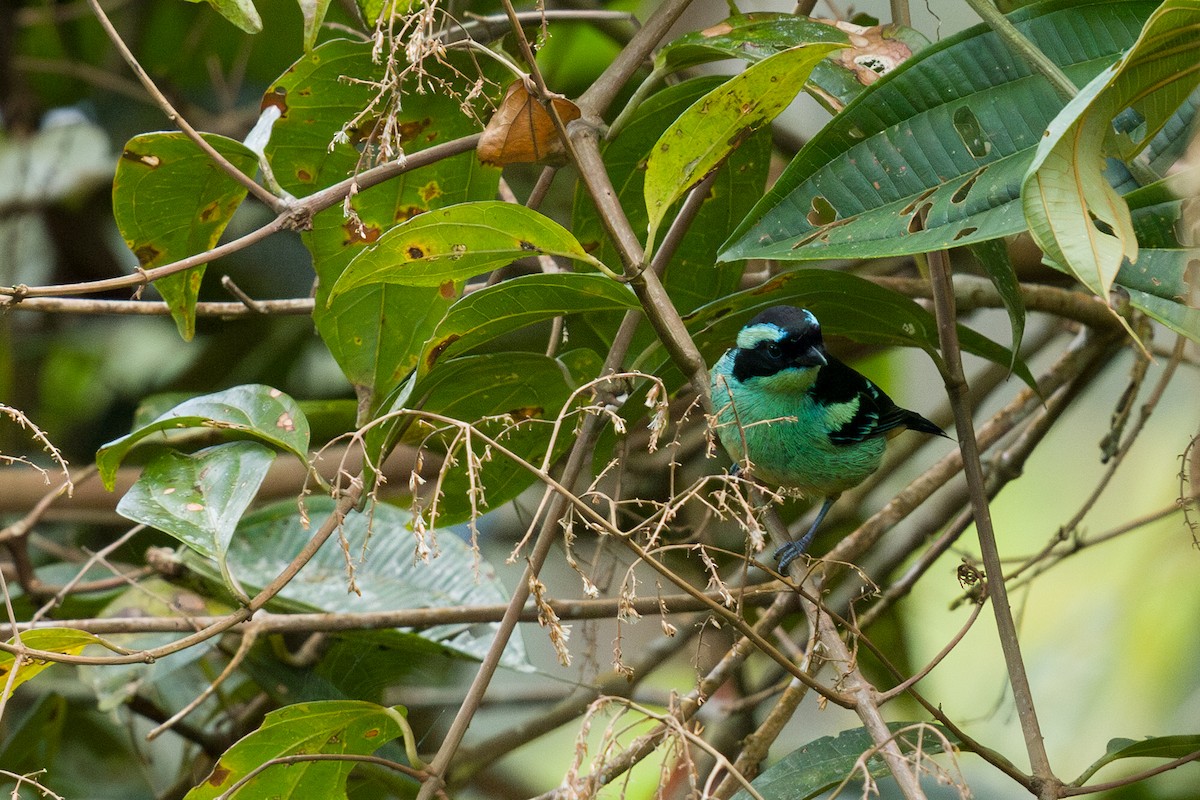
pixel 793 550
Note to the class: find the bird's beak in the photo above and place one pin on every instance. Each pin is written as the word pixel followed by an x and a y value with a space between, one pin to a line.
pixel 812 357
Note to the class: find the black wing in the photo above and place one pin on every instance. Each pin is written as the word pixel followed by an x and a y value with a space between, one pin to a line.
pixel 875 414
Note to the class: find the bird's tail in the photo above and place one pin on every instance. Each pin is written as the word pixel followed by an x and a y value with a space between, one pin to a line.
pixel 915 422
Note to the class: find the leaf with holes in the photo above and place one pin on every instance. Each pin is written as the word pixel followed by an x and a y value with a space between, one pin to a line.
pixel 1075 216
pixel 199 497
pixel 1166 276
pixel 933 154
pixel 717 123
pixel 455 243
pixel 334 727
pixel 251 410
pixel 171 201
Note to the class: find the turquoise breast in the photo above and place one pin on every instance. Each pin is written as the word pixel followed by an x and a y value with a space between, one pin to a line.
pixel 774 423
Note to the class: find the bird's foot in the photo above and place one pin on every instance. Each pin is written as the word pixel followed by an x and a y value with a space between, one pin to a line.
pixel 789 553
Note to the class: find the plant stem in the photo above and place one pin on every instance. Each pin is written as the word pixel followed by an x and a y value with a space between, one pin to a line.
pixel 956 387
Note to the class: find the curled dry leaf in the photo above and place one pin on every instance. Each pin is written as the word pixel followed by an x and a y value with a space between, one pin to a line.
pixel 522 130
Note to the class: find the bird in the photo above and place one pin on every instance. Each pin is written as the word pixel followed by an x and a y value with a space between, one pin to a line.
pixel 800 418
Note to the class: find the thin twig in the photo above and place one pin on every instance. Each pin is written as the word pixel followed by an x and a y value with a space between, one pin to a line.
pixel 756 746
pixel 933 662
pixel 75 582
pixel 1129 780
pixel 344 505
pixel 643 745
pixel 298 215
pixel 243 650
pixel 276 204
pixel 1076 364
pixel 853 683
pixel 616 684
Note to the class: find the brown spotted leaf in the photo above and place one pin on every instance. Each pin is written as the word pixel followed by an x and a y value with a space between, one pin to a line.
pixel 171 201
pixel 57 640
pixel 456 243
pixel 522 130
pixel 717 123
pixel 375 333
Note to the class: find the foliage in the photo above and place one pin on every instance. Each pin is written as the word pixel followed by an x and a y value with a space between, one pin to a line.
pixel 396 359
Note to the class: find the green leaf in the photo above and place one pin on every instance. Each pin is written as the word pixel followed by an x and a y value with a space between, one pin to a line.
pixel 496 310
pixel 388 575
pixel 1158 284
pixel 522 394
pixel 717 123
pixel 932 155
pixel 199 497
pixel 56 640
pixel 526 391
pixel 692 277
pixel 313 12
pixel 993 257
pixel 372 9
pixel 334 726
pixel 33 738
pixel 826 762
pixel 1171 747
pixel 847 306
pixel 1075 216
pixel 252 410
pixel 241 13
pixel 456 243
pixel 375 333
pixel 171 201
pixel 1179 317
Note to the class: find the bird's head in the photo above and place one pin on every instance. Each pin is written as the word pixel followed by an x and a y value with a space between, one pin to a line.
pixel 781 349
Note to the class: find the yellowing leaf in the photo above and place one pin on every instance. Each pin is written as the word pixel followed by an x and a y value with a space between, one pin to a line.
pixel 721 120
pixel 56 640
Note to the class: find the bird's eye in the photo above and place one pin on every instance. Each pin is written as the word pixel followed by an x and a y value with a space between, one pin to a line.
pixel 774 350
